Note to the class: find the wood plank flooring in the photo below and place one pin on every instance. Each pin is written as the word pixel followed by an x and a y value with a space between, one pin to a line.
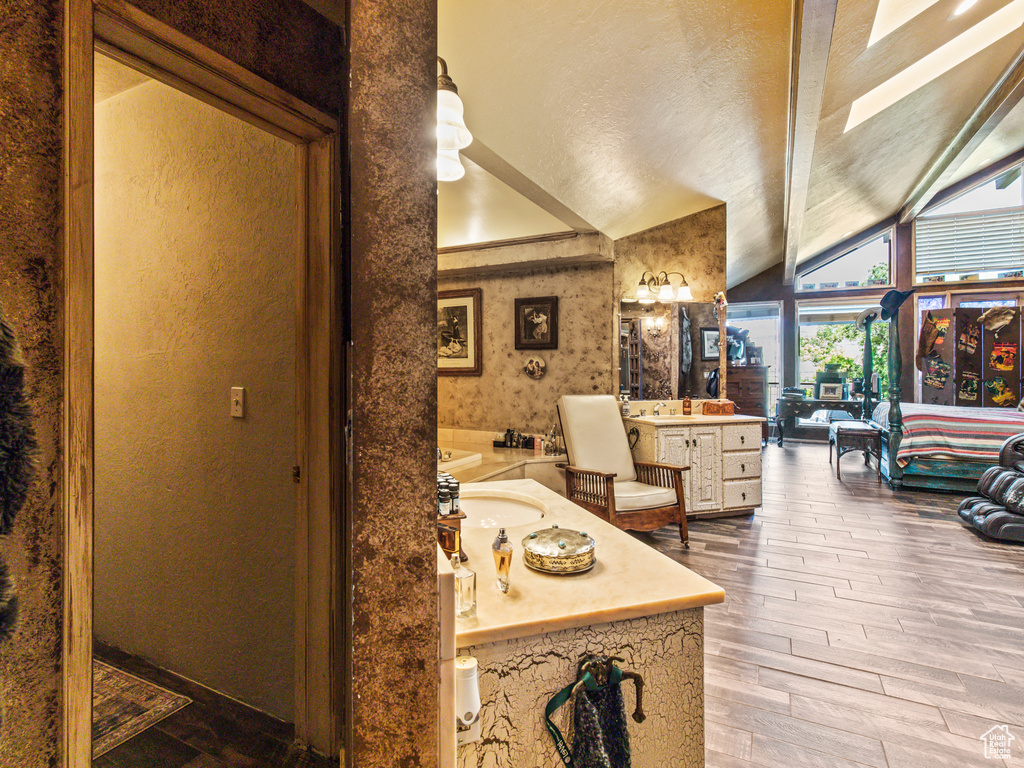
pixel 860 628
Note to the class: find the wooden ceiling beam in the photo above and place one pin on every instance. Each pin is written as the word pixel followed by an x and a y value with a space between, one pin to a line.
pixel 1004 95
pixel 813 22
pixel 504 172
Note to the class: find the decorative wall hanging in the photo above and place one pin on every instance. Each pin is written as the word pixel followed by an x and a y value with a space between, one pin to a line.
pixel 459 333
pixel 708 343
pixel 535 368
pixel 536 323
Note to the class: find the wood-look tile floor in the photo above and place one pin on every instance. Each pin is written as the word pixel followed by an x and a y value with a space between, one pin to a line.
pixel 860 627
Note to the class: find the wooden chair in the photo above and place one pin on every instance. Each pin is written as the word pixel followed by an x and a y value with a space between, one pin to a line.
pixel 602 477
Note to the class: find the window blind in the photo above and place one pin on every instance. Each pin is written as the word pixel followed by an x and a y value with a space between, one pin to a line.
pixel 964 243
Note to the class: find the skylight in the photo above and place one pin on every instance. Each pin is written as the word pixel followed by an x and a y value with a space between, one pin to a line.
pixel 893 14
pixel 976 39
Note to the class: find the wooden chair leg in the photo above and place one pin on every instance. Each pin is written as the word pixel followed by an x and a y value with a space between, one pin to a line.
pixel 839 473
pixel 830 451
pixel 684 532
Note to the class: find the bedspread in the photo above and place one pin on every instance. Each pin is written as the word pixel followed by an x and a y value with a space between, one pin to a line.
pixel 945 431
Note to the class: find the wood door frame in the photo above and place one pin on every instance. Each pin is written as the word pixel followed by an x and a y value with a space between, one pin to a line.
pixel 141 41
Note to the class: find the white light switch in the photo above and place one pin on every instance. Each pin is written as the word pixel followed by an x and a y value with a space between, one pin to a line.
pixel 238 402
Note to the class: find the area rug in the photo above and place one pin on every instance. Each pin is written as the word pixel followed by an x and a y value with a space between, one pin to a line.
pixel 123 706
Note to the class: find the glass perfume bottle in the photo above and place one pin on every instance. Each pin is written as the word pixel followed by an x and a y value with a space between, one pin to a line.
pixel 502 551
pixel 465 589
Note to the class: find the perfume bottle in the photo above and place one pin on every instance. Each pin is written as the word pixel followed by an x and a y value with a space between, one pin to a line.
pixel 502 551
pixel 465 589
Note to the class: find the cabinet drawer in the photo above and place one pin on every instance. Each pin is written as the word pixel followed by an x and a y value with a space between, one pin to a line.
pixel 740 465
pixel 741 437
pixel 741 494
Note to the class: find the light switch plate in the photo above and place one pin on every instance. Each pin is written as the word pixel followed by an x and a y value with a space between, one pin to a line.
pixel 238 402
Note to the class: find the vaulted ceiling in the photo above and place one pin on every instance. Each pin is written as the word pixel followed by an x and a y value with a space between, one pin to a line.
pixel 618 116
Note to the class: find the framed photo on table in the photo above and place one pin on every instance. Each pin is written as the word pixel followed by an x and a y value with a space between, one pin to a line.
pixel 459 333
pixel 830 392
pixel 708 343
pixel 536 322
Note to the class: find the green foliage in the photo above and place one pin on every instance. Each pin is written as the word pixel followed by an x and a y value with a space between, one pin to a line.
pixel 835 344
pixel 879 272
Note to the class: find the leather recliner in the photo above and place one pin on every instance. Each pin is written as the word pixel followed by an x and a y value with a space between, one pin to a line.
pixel 998 512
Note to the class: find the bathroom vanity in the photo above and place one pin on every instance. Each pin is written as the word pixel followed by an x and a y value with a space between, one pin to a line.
pixel 723 453
pixel 635 603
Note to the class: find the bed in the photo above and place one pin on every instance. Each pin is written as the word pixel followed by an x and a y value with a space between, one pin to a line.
pixel 941 447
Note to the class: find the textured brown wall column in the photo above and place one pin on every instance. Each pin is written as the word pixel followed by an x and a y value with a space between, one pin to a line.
pixel 393 45
pixel 30 302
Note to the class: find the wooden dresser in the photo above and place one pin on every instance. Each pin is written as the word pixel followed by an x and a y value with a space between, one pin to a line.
pixel 747 387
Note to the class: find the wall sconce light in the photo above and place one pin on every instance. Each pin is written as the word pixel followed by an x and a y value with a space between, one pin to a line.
pixel 658 287
pixel 452 133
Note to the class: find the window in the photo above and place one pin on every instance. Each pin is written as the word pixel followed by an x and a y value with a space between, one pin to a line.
pixel 828 336
pixel 864 265
pixel 976 236
pixel 762 320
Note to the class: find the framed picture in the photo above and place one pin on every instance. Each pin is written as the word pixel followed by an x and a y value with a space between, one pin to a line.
pixel 755 355
pixel 459 333
pixel 537 323
pixel 830 392
pixel 708 343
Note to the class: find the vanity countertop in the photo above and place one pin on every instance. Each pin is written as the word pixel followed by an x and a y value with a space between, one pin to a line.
pixel 678 420
pixel 630 579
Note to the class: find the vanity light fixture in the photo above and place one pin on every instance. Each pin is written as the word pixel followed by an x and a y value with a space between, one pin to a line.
pixel 452 133
pixel 659 287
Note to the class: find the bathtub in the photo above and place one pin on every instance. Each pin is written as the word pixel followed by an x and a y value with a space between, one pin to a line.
pixel 458 459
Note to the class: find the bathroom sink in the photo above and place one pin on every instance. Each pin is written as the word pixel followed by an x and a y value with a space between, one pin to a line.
pixel 500 509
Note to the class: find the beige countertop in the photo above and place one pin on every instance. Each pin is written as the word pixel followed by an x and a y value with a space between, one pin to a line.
pixel 678 420
pixel 630 579
pixel 494 460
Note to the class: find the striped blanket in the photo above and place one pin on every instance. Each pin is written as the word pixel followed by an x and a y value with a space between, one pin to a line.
pixel 945 431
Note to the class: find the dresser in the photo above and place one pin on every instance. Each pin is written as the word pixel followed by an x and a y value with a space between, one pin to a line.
pixel 747 387
pixel 723 453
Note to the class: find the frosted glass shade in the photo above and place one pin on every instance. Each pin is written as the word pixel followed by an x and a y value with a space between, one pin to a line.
pixel 449 166
pixel 665 293
pixel 684 293
pixel 452 133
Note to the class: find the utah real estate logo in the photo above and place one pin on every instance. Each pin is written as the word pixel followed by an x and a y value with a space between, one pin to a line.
pixel 997 742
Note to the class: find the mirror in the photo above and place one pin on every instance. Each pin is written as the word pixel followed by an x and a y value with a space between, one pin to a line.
pixel 667 351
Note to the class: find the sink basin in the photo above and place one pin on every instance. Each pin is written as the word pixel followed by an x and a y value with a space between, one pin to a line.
pixel 500 509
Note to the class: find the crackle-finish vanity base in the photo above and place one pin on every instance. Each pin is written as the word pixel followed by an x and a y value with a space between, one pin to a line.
pixel 519 676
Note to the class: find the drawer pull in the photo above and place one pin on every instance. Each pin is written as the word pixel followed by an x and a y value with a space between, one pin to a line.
pixel 744 495
pixel 743 467
pixel 687 443
pixel 743 439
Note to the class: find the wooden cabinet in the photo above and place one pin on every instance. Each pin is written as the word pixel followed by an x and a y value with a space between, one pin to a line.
pixel 747 386
pixel 723 453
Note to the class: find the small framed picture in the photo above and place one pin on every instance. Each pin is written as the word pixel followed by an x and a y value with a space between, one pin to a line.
pixel 708 343
pixel 459 333
pixel 755 355
pixel 830 392
pixel 536 322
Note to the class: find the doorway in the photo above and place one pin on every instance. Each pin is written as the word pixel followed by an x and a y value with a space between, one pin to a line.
pixel 296 490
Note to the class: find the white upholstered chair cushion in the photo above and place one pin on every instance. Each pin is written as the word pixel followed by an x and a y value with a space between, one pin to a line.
pixel 632 495
pixel 595 438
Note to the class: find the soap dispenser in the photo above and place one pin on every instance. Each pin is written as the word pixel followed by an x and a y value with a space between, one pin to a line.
pixel 502 551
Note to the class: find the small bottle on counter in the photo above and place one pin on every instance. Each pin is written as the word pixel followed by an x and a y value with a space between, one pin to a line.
pixel 502 551
pixel 444 502
pixel 453 491
pixel 625 405
pixel 465 590
pixel 687 406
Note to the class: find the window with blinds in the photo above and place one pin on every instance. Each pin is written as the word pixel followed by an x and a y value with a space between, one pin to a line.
pixel 978 235
pixel 964 245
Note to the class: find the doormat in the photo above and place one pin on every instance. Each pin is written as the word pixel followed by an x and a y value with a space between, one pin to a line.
pixel 123 706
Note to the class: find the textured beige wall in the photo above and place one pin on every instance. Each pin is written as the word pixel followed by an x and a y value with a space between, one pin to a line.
pixel 693 246
pixel 195 510
pixel 504 395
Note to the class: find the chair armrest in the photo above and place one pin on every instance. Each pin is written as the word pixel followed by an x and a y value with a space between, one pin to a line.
pixel 581 471
pixel 661 475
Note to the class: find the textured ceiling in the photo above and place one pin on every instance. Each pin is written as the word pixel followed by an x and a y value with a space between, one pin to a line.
pixel 113 78
pixel 863 176
pixel 634 114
